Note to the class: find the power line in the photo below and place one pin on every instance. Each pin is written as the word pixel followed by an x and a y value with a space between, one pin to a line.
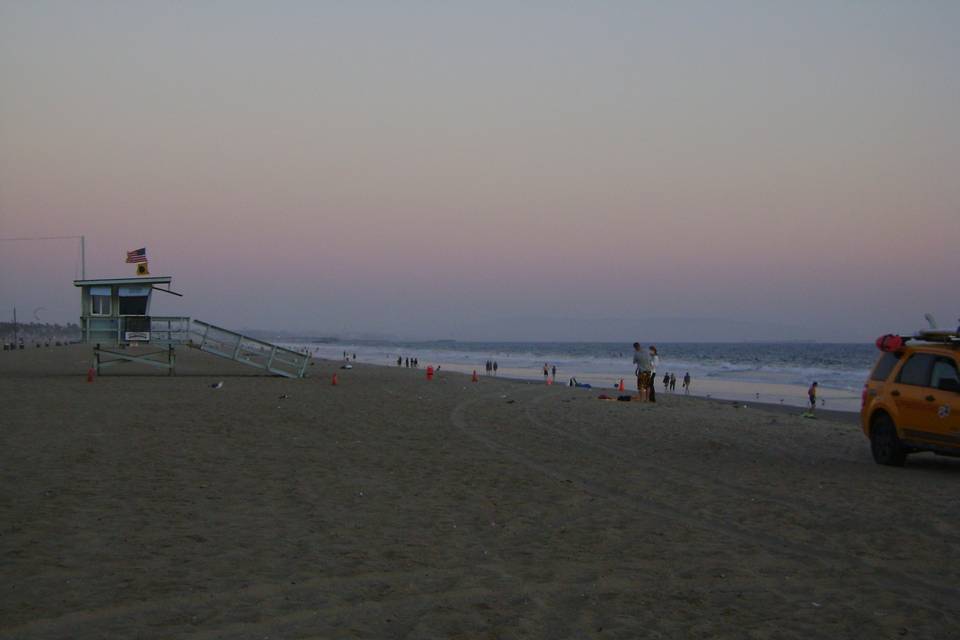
pixel 42 238
pixel 83 248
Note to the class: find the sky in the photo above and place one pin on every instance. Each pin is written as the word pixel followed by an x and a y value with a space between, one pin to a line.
pixel 490 170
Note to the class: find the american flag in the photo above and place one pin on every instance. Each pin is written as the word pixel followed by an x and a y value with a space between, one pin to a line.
pixel 140 255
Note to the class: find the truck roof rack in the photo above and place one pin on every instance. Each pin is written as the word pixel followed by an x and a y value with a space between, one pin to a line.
pixel 938 335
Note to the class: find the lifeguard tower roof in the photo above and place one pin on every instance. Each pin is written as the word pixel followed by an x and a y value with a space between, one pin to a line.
pixel 109 281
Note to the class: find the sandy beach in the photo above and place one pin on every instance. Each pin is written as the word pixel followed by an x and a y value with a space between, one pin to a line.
pixel 389 506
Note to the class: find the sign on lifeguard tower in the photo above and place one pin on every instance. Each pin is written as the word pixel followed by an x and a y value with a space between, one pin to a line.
pixel 115 318
pixel 139 258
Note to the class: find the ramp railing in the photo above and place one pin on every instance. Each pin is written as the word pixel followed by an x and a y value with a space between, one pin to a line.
pixel 246 350
pixel 169 330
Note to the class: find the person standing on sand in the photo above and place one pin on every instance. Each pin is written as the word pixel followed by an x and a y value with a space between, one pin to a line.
pixel 494 367
pixel 399 361
pixel 546 371
pixel 666 382
pixel 554 370
pixel 812 394
pixel 686 383
pixel 654 361
pixel 642 362
pixel 673 383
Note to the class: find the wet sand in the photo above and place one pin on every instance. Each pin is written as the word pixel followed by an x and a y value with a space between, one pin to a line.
pixel 393 507
pixel 788 395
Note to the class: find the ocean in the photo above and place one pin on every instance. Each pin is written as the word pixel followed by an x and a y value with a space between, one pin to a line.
pixel 767 371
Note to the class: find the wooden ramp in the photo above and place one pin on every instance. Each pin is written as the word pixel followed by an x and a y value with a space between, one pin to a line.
pixel 246 350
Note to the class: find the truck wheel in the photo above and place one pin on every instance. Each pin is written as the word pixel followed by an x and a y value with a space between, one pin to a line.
pixel 884 443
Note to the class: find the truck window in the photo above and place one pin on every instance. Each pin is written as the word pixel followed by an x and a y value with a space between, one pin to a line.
pixel 886 363
pixel 943 369
pixel 916 370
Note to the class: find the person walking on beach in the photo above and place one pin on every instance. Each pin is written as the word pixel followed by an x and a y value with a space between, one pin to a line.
pixel 686 384
pixel 812 395
pixel 546 371
pixel 654 361
pixel 554 370
pixel 494 367
pixel 399 361
pixel 673 382
pixel 642 361
pixel 666 382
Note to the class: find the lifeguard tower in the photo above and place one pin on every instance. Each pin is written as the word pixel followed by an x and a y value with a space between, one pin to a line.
pixel 115 318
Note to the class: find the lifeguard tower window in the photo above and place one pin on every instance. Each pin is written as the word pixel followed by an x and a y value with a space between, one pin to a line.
pixel 133 301
pixel 100 301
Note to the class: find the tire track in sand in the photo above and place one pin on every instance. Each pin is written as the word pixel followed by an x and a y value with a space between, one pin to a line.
pixel 778 546
pixel 713 481
pixel 756 494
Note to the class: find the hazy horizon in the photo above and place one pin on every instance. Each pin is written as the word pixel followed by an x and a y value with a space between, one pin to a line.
pixel 462 170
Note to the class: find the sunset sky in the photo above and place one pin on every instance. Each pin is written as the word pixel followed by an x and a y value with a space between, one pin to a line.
pixel 479 170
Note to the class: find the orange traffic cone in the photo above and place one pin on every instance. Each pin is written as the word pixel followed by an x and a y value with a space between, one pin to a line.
pixel 474 378
pixel 90 374
pixel 333 381
pixel 621 384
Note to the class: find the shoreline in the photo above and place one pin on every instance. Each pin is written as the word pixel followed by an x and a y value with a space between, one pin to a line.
pixel 851 416
pixel 833 400
pixel 847 417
